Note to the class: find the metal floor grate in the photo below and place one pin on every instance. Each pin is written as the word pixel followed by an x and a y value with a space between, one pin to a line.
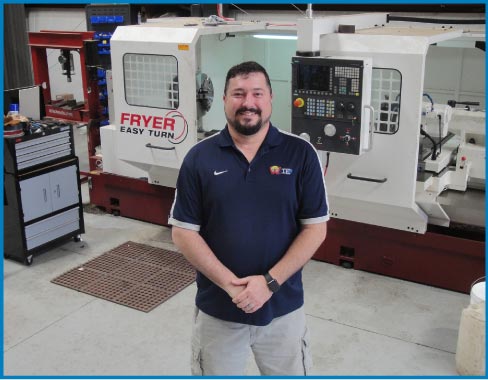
pixel 133 274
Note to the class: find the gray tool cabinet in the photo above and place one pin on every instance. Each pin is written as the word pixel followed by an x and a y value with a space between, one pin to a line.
pixel 42 194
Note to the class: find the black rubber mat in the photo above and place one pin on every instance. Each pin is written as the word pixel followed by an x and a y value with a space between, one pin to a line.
pixel 133 274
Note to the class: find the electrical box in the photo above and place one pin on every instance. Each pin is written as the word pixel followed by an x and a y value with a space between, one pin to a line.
pixel 331 103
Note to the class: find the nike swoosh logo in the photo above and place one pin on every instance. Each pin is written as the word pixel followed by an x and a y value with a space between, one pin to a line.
pixel 219 173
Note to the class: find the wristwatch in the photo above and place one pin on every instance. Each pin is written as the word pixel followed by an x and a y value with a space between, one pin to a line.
pixel 272 283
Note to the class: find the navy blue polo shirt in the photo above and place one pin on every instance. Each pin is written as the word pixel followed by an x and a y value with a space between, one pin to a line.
pixel 250 213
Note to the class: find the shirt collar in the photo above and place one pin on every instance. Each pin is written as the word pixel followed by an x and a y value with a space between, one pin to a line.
pixel 273 137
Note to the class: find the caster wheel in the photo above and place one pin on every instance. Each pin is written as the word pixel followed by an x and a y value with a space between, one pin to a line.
pixel 28 260
pixel 116 213
pixel 77 238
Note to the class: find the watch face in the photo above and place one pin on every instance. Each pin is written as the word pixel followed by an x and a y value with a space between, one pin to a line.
pixel 273 286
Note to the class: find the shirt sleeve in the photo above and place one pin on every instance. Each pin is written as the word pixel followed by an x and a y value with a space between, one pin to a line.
pixel 314 207
pixel 187 206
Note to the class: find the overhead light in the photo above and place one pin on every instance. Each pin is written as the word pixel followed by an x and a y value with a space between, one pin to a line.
pixel 274 37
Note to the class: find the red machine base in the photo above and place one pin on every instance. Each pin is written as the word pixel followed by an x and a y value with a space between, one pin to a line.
pixel 433 259
pixel 131 197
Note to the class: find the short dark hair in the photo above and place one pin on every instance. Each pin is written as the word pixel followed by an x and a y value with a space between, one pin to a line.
pixel 246 68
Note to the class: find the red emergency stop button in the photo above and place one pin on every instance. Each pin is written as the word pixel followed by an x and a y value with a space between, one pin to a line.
pixel 299 102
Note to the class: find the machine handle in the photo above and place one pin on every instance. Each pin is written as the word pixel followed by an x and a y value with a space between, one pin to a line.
pixel 453 103
pixel 469 103
pixel 350 176
pixel 149 145
pixel 45 194
pixel 58 191
pixel 371 127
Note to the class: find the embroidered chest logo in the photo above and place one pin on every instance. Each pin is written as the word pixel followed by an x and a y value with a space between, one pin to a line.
pixel 278 170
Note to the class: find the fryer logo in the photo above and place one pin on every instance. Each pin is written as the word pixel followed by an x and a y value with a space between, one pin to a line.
pixel 278 170
pixel 172 126
pixel 180 127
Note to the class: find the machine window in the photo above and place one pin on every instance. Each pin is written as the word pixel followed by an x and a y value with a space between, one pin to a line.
pixel 386 99
pixel 151 80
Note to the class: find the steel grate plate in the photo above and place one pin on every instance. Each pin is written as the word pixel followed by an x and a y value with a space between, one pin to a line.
pixel 133 274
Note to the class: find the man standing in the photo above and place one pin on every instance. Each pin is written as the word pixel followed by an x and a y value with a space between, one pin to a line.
pixel 250 210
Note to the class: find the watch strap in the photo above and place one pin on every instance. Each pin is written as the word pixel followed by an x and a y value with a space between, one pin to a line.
pixel 272 283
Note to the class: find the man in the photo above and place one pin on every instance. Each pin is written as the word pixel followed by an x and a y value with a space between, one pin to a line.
pixel 250 210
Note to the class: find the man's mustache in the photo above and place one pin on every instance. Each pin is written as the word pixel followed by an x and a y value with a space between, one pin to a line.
pixel 245 109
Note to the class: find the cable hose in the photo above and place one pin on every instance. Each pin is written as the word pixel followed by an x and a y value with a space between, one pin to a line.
pixel 434 145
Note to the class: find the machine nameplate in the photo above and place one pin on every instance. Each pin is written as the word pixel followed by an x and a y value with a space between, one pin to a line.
pixel 172 127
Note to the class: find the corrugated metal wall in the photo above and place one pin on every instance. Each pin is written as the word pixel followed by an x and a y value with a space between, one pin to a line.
pixel 17 62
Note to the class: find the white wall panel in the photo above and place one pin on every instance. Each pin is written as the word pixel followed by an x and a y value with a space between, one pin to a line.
pixel 455 74
pixel 278 64
pixel 217 57
pixel 473 74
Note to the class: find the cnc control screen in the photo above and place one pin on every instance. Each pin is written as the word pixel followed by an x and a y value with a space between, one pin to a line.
pixel 317 78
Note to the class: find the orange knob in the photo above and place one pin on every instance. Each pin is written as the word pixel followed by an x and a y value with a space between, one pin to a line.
pixel 299 102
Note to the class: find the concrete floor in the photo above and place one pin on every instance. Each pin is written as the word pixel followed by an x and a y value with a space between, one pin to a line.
pixel 361 323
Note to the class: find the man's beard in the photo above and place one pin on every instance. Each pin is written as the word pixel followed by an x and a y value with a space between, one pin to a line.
pixel 247 130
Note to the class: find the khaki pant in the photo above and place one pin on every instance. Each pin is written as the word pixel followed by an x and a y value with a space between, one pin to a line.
pixel 221 348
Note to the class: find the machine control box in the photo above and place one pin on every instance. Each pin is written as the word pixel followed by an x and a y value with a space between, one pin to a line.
pixel 330 102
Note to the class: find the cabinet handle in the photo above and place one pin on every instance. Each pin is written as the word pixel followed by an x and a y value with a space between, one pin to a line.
pixel 58 190
pixel 45 194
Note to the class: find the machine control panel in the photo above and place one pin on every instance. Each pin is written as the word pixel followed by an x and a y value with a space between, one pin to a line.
pixel 330 96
